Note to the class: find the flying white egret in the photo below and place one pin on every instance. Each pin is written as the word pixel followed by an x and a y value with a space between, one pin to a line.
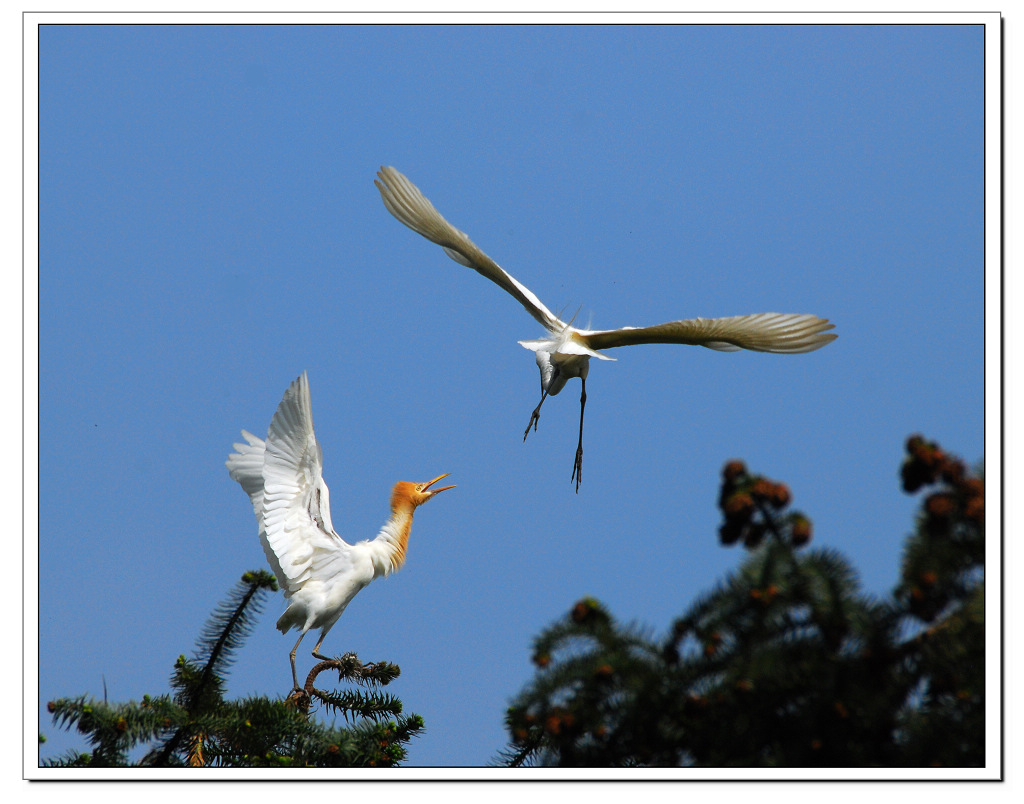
pixel 566 351
pixel 319 572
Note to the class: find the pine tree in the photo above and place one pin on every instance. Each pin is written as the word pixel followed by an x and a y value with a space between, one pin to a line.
pixel 196 726
pixel 785 662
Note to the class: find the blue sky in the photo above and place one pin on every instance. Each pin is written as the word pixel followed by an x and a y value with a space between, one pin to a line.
pixel 209 229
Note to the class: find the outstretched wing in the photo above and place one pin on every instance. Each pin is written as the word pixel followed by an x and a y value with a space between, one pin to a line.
pixel 404 200
pixel 784 333
pixel 296 505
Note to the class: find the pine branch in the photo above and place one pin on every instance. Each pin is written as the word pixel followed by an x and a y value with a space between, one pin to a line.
pixel 250 732
pixel 352 704
pixel 785 662
pixel 227 628
pixel 222 634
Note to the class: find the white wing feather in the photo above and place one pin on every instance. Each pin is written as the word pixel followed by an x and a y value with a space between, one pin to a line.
pixel 296 516
pixel 246 467
pixel 404 200
pixel 783 333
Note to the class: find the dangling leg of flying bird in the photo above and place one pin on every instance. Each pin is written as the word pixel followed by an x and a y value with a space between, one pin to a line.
pixel 577 468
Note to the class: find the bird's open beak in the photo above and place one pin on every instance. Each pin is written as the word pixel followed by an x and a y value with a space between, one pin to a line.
pixel 432 482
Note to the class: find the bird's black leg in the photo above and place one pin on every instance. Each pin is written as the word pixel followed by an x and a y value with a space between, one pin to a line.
pixel 577 469
pixel 535 416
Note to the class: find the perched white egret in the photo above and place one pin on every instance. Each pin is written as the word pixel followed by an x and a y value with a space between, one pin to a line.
pixel 565 351
pixel 319 572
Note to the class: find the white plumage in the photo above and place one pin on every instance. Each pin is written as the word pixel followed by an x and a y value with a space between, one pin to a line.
pixel 319 572
pixel 566 350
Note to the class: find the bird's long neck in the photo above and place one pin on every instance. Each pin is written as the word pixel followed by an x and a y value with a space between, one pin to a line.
pixel 390 545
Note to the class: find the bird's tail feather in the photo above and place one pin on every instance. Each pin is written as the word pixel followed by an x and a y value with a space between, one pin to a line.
pixel 294 617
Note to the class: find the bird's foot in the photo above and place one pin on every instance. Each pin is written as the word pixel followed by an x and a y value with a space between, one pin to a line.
pixel 318 655
pixel 299 697
pixel 577 469
pixel 534 418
